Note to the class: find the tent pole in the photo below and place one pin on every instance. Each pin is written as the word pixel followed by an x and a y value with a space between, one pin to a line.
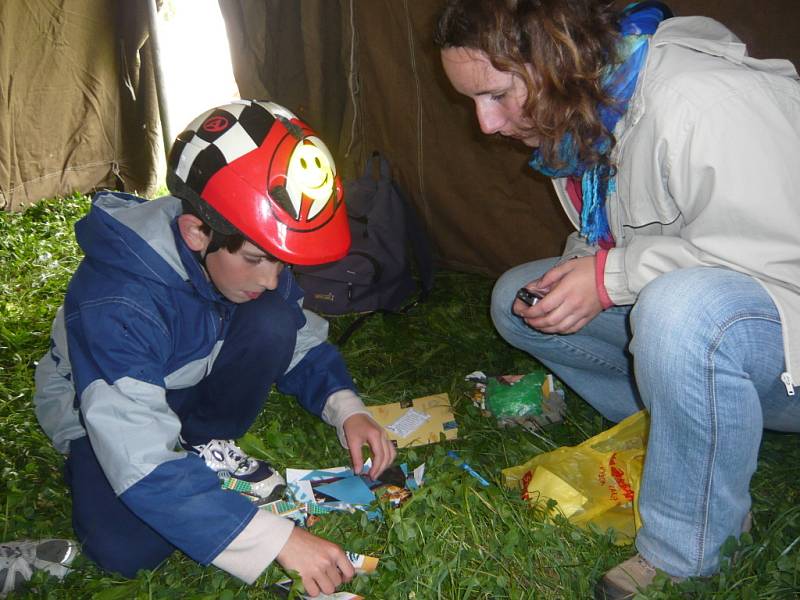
pixel 161 95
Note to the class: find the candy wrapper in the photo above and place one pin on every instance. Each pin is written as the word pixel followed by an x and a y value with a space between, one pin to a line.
pixel 532 400
pixel 363 565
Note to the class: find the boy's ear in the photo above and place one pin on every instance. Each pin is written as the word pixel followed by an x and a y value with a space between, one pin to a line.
pixel 191 229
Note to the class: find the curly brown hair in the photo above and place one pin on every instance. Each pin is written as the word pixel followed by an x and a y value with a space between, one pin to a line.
pixel 568 43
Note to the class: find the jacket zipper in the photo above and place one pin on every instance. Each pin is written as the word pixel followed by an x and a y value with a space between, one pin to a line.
pixel 787 380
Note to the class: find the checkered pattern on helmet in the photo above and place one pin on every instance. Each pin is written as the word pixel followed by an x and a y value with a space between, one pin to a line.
pixel 217 138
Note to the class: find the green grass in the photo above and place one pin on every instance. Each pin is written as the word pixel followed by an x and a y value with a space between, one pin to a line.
pixel 453 540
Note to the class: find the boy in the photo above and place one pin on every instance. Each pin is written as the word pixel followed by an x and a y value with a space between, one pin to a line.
pixel 172 331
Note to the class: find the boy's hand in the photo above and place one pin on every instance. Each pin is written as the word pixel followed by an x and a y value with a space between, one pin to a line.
pixel 322 565
pixel 361 429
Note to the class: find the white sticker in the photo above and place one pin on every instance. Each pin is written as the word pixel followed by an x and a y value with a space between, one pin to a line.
pixel 408 423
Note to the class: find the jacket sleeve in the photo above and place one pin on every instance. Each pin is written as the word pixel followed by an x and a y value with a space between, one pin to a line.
pixel 317 375
pixel 118 350
pixel 54 398
pixel 317 370
pixel 730 173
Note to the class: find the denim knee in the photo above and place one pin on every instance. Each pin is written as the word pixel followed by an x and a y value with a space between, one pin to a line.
pixel 508 324
pixel 269 322
pixel 502 299
pixel 667 332
pixel 110 534
pixel 126 557
pixel 684 317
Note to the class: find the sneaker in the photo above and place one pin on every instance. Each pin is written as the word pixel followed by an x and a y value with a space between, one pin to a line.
pixel 21 558
pixel 747 524
pixel 627 579
pixel 635 574
pixel 240 472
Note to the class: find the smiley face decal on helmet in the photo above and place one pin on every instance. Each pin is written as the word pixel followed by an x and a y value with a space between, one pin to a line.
pixel 310 175
pixel 302 179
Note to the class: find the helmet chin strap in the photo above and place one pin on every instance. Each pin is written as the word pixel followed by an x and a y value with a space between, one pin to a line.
pixel 213 246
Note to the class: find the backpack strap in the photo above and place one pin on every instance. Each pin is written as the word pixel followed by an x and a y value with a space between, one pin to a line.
pixel 420 249
pixel 416 234
pixel 384 170
pixel 351 329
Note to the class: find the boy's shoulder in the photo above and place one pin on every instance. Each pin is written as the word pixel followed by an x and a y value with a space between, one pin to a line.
pixel 135 236
pixel 133 256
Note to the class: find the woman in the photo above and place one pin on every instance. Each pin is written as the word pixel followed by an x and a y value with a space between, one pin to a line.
pixel 675 155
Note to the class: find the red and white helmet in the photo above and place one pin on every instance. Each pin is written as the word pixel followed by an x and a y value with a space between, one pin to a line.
pixel 255 168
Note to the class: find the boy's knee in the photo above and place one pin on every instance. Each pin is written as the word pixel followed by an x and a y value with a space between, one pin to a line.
pixel 127 557
pixel 270 321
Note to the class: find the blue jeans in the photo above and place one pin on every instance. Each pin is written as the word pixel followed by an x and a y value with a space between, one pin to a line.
pixel 702 350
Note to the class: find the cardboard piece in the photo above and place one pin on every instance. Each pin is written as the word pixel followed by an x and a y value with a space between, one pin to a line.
pixel 418 422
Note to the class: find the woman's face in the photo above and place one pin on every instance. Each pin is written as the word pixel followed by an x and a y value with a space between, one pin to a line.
pixel 499 97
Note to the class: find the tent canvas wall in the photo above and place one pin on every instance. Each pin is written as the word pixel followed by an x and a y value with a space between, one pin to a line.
pixel 78 107
pixel 77 99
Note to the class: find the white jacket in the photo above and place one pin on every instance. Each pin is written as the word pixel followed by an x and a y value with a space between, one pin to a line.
pixel 708 159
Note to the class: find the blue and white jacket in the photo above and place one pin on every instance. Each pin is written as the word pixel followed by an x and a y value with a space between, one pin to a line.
pixel 140 318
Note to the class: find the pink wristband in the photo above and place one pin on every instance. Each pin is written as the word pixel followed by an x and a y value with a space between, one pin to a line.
pixel 599 278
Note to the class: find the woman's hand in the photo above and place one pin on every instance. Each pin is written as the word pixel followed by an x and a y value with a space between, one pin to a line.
pixel 571 300
pixel 361 429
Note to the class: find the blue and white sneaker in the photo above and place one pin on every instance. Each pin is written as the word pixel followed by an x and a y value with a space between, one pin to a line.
pixel 21 558
pixel 239 471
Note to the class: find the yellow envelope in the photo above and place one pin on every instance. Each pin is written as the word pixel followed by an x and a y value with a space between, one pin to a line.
pixel 419 422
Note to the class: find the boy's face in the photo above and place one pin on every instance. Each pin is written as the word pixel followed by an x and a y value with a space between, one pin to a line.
pixel 243 275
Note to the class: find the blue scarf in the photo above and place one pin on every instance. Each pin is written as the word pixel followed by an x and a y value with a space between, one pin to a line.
pixel 637 23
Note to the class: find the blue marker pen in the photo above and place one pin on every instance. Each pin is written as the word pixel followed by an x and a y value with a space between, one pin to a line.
pixel 467 468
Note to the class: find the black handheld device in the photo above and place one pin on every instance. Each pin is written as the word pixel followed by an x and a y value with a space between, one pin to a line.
pixel 529 297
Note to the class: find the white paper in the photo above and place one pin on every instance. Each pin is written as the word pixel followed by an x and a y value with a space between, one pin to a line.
pixel 408 423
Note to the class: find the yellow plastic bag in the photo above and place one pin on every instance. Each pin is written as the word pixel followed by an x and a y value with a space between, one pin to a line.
pixel 596 481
